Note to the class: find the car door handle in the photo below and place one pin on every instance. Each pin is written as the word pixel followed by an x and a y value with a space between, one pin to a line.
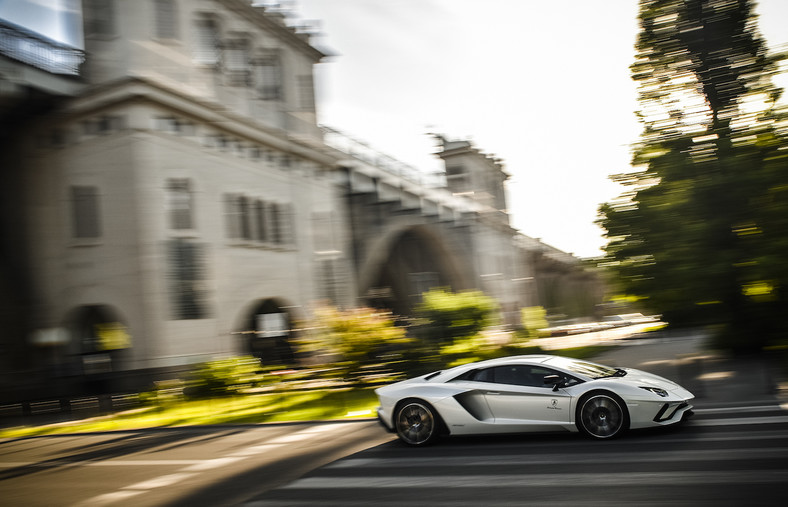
pixel 492 392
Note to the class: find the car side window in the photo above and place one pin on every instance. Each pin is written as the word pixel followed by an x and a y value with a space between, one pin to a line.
pixel 526 375
pixel 539 373
pixel 485 375
pixel 514 374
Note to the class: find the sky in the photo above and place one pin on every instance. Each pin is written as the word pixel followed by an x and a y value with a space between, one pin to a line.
pixel 545 86
pixel 57 19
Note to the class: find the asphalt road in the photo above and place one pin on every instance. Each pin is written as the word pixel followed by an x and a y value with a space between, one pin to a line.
pixel 724 457
pixel 734 452
pixel 174 467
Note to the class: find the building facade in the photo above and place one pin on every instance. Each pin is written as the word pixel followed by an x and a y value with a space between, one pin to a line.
pixel 175 201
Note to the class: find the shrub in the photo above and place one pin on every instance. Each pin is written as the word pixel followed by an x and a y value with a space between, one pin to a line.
pixel 224 377
pixel 362 343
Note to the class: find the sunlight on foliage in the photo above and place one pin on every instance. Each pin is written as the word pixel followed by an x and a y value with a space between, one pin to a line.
pixel 352 341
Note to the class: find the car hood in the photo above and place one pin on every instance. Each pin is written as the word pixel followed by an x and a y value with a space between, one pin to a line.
pixel 644 378
pixel 640 378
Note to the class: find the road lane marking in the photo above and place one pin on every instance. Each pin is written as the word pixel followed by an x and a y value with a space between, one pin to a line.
pixel 160 482
pixel 192 467
pixel 732 421
pixel 108 498
pixel 213 463
pixel 552 480
pixel 288 439
pixel 144 462
pixel 738 410
pixel 306 433
pixel 561 459
pixel 257 449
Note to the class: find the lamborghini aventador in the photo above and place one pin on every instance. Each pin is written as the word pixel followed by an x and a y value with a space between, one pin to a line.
pixel 530 393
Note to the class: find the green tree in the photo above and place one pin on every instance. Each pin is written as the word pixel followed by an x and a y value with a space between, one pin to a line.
pixel 701 232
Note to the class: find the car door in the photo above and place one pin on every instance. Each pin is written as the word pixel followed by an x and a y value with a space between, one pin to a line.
pixel 518 395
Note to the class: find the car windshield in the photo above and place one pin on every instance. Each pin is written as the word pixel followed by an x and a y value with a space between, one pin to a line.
pixel 592 370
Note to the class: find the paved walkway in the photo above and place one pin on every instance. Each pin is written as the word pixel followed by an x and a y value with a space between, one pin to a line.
pixel 607 337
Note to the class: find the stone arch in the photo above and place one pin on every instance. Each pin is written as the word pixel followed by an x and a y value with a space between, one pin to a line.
pixel 406 261
pixel 96 328
pixel 267 329
pixel 98 335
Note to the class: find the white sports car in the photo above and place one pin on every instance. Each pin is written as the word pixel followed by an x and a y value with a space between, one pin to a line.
pixel 530 393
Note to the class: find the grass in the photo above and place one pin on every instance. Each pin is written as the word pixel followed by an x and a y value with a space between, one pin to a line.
pixel 312 405
pixel 282 406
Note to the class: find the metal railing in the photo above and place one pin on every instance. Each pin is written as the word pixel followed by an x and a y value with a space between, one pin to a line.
pixel 28 47
pixel 362 151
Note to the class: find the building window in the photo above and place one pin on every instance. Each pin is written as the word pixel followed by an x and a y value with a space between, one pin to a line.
pixel 232 215
pixel 245 225
pixel 236 62
pixel 187 279
pixel 99 17
pixel 254 220
pixel 239 219
pixel 206 43
pixel 174 125
pixel 260 221
pixel 268 76
pixel 166 21
pixel 457 179
pixel 85 212
pixel 324 232
pixel 180 204
pixel 281 224
pixel 276 223
pixel 306 93
pixel 102 125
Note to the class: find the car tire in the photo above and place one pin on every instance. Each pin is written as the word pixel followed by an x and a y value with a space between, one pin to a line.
pixel 416 422
pixel 601 415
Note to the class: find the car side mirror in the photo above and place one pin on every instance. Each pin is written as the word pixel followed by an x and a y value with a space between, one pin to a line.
pixel 555 380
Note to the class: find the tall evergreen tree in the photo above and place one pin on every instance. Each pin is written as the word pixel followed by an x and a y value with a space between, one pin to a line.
pixel 701 233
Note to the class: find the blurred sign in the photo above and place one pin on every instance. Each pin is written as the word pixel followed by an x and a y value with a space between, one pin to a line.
pixel 272 324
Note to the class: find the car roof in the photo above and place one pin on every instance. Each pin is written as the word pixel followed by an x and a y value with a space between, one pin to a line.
pixel 535 358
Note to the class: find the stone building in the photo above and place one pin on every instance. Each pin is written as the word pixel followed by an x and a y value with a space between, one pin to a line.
pixel 169 204
pixel 168 197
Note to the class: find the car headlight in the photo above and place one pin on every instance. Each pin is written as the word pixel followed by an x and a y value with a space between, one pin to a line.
pixel 656 390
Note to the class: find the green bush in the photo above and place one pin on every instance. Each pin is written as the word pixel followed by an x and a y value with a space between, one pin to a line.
pixel 362 344
pixel 224 377
pixel 447 316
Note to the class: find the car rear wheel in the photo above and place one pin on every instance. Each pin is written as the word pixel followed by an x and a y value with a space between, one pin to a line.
pixel 416 422
pixel 602 415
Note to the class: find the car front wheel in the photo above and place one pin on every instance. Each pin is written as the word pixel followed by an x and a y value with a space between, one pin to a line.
pixel 416 423
pixel 601 415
